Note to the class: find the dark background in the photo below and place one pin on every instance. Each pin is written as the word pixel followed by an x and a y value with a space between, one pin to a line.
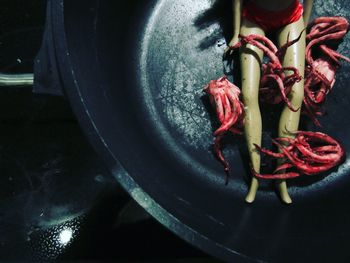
pixel 52 182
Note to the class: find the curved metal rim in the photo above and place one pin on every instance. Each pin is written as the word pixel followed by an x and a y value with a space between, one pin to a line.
pixel 122 176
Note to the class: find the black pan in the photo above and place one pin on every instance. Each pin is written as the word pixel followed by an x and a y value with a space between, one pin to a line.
pixel 134 71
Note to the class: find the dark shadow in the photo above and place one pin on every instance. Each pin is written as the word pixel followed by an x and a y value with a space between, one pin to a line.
pixel 220 12
pixel 101 239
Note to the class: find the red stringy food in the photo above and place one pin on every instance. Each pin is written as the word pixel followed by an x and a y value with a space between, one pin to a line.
pixel 308 153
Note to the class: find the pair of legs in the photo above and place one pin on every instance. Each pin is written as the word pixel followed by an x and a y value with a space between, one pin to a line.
pixel 251 58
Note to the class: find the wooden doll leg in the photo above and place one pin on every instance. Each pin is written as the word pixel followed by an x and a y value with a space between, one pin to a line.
pixel 295 57
pixel 251 58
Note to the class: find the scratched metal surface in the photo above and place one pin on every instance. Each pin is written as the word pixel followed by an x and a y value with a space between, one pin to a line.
pixel 183 48
pixel 144 100
pixel 180 55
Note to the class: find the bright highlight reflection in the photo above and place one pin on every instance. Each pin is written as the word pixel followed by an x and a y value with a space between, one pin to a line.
pixel 65 236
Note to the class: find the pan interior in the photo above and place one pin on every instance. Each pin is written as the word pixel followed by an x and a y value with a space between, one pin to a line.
pixel 181 52
pixel 139 69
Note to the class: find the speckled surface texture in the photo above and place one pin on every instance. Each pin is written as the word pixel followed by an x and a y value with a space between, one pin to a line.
pixel 192 49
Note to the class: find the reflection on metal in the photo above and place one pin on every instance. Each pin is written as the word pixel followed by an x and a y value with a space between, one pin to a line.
pixel 9 80
pixel 50 242
pixel 65 236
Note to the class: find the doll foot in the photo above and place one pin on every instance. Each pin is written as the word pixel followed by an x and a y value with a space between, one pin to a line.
pixel 250 198
pixel 286 198
pixel 252 191
pixel 282 187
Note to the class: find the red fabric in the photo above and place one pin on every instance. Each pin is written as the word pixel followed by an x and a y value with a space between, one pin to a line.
pixel 272 20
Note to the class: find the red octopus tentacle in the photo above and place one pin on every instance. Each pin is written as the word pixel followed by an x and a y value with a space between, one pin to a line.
pixel 227 108
pixel 267 50
pixel 275 176
pixel 268 152
pixel 219 107
pixel 280 85
pixel 326 149
pixel 302 165
pixel 225 97
pixel 281 52
pixel 311 113
pixel 283 167
pixel 333 54
pixel 331 29
pixel 328 20
pixel 220 156
pixel 253 37
pixel 318 136
pixel 329 158
pixel 333 36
